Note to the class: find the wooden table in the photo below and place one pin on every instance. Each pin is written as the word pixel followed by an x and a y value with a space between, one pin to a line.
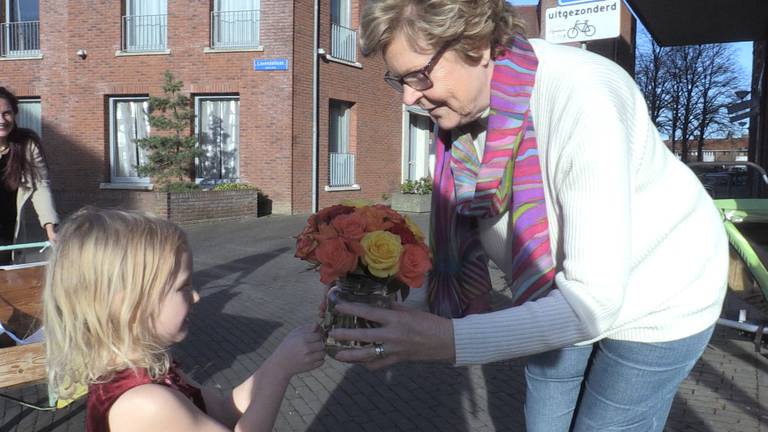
pixel 21 312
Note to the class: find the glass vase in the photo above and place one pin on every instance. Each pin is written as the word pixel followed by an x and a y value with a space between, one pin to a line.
pixel 353 289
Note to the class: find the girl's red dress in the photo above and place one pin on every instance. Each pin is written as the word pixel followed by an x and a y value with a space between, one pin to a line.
pixel 101 396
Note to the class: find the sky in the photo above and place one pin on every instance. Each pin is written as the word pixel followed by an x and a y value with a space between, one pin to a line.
pixel 743 49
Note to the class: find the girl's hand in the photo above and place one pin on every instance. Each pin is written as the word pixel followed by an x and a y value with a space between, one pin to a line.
pixel 50 231
pixel 405 335
pixel 300 351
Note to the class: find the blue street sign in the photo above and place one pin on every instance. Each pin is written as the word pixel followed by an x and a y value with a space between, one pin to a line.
pixel 573 2
pixel 279 64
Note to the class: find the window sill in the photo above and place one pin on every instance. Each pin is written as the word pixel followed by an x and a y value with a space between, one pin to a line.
pixel 29 57
pixel 333 59
pixel 354 187
pixel 141 53
pixel 210 50
pixel 127 186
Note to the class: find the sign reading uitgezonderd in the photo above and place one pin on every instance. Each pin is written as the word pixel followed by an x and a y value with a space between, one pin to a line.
pixel 583 22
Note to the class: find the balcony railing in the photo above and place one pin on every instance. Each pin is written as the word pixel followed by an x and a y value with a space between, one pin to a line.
pixel 341 170
pixel 235 29
pixel 142 33
pixel 343 43
pixel 20 39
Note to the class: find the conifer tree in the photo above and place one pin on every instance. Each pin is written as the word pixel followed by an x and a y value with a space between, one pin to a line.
pixel 171 153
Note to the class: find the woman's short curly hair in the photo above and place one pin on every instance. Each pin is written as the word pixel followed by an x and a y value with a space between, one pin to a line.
pixel 428 24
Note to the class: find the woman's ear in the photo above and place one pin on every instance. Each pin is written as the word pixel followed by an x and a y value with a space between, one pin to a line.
pixel 487 56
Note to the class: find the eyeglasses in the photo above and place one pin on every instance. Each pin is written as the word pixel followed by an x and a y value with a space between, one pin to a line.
pixel 418 80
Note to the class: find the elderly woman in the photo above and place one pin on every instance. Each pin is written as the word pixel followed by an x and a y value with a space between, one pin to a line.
pixel 23 178
pixel 548 164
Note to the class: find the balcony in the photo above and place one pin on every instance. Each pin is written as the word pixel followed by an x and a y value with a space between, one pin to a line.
pixel 341 170
pixel 343 43
pixel 145 33
pixel 235 29
pixel 20 39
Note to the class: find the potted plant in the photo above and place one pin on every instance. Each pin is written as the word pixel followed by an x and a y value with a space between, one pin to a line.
pixel 415 196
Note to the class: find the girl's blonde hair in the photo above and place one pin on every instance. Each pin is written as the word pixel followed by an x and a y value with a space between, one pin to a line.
pixel 428 24
pixel 109 273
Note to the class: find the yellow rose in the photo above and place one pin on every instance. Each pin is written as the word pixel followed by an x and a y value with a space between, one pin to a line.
pixel 357 202
pixel 414 229
pixel 382 253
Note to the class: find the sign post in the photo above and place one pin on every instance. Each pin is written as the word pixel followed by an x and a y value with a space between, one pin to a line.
pixel 583 20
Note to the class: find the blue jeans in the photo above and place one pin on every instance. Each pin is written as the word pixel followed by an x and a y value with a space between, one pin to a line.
pixel 629 386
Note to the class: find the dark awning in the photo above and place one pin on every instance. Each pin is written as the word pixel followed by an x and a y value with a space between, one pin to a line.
pixel 690 22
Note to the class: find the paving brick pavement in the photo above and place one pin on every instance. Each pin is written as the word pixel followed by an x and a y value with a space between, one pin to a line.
pixel 254 292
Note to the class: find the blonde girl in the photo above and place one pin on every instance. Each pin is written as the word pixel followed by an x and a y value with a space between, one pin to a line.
pixel 117 296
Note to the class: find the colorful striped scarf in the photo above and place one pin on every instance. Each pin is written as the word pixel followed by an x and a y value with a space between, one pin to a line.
pixel 507 179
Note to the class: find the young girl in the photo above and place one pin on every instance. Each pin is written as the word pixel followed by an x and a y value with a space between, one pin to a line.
pixel 117 296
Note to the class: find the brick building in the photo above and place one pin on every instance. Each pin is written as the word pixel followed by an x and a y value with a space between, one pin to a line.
pixel 85 71
pixel 732 149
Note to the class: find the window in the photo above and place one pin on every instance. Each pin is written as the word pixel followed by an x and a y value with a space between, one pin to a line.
pixel 235 24
pixel 145 26
pixel 343 37
pixel 341 171
pixel 418 160
pixel 128 122
pixel 20 33
pixel 218 132
pixel 29 115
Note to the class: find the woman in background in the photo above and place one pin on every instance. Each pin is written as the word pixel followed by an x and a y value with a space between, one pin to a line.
pixel 23 178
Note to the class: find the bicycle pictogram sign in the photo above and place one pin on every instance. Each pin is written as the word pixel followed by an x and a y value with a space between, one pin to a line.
pixel 581 27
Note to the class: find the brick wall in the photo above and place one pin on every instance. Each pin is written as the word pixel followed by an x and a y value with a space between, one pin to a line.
pixel 377 119
pixel 74 92
pixel 275 107
pixel 178 207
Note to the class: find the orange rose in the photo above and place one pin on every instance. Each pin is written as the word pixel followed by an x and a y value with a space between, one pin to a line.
pixel 350 226
pixel 305 248
pixel 415 262
pixel 335 259
pixel 327 214
pixel 325 232
pixel 374 219
pixel 390 214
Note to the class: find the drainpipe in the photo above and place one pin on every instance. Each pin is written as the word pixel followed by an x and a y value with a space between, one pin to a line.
pixel 315 83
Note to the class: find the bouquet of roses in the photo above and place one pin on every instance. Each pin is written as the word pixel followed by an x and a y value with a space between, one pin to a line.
pixel 371 241
pixel 370 252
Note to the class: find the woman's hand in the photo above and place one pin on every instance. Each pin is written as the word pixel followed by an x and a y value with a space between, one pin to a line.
pixel 302 350
pixel 50 231
pixel 405 335
pixel 324 302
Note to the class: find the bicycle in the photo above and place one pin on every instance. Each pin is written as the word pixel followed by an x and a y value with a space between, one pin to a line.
pixel 583 27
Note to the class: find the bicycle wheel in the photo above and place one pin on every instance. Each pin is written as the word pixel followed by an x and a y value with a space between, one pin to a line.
pixel 572 33
pixel 590 30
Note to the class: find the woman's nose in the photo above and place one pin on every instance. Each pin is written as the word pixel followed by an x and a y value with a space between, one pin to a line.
pixel 195 297
pixel 411 96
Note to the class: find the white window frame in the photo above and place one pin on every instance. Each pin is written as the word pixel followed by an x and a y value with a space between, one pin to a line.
pixel 218 8
pixel 127 35
pixel 405 147
pixel 341 12
pixel 113 141
pixel 38 117
pixel 342 111
pixel 198 100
